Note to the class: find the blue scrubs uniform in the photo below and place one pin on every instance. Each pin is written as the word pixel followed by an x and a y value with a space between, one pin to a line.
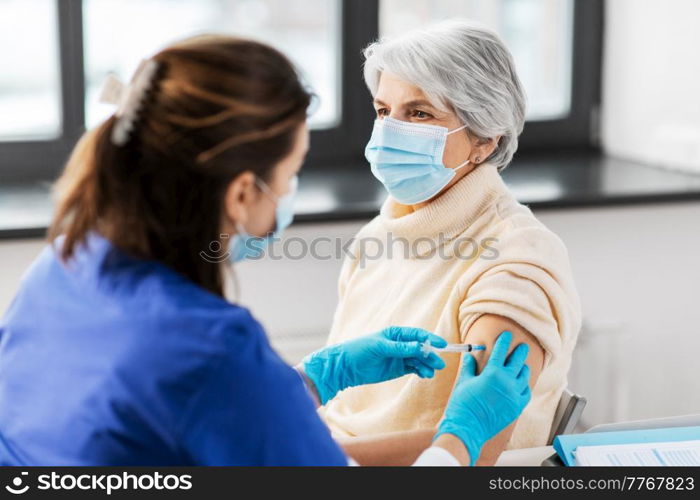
pixel 111 360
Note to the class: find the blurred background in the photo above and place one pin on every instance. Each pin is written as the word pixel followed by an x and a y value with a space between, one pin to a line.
pixel 609 159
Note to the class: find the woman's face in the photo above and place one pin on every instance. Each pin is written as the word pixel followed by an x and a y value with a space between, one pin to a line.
pixel 406 102
pixel 246 204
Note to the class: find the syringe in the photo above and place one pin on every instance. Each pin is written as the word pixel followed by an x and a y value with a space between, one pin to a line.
pixel 427 348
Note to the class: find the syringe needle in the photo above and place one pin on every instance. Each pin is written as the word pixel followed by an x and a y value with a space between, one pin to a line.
pixel 427 348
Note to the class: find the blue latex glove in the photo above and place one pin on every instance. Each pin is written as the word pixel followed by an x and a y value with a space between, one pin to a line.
pixel 483 405
pixel 385 355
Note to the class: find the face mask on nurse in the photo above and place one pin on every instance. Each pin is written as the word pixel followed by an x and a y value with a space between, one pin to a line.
pixel 246 246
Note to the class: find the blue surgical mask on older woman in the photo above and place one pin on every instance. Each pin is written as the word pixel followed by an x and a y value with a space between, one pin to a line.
pixel 246 246
pixel 407 158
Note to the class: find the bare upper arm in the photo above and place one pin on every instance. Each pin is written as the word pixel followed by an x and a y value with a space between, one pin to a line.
pixel 485 330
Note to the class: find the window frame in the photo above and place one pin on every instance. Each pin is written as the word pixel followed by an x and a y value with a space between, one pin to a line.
pixel 34 160
pixel 579 129
pixel 338 147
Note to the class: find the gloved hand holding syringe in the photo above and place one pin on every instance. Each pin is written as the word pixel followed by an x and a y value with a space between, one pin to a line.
pixel 427 348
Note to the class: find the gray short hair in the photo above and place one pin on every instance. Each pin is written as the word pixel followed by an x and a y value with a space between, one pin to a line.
pixel 463 66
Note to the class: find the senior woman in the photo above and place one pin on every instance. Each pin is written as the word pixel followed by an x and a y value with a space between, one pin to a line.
pixel 462 258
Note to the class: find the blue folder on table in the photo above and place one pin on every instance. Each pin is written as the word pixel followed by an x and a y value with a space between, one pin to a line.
pixel 566 444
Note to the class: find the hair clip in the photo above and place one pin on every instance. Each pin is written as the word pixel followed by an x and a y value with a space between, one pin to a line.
pixel 128 98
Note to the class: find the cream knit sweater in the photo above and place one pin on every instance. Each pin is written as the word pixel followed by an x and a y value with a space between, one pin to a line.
pixel 421 269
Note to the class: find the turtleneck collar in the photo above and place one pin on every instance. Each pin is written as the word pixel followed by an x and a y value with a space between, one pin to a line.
pixel 451 213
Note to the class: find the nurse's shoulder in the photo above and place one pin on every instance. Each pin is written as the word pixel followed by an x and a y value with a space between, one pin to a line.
pixel 169 308
pixel 158 311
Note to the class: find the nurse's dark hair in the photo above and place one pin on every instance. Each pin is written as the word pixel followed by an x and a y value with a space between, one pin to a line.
pixel 219 106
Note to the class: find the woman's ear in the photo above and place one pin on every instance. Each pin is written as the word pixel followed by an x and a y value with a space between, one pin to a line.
pixel 482 149
pixel 239 197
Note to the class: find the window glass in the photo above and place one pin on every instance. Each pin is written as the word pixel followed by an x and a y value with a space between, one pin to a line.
pixel 119 33
pixel 30 88
pixel 539 34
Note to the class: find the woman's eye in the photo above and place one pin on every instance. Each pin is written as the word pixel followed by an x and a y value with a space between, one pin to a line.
pixel 382 112
pixel 421 114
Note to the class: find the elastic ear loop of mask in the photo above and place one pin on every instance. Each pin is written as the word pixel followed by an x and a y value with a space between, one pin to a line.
pixel 457 129
pixel 452 132
pixel 266 189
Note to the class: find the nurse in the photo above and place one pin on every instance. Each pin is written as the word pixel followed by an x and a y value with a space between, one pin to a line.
pixel 120 348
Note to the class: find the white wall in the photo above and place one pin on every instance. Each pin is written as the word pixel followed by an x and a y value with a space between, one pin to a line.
pixel 637 273
pixel 15 257
pixel 295 298
pixel 651 76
